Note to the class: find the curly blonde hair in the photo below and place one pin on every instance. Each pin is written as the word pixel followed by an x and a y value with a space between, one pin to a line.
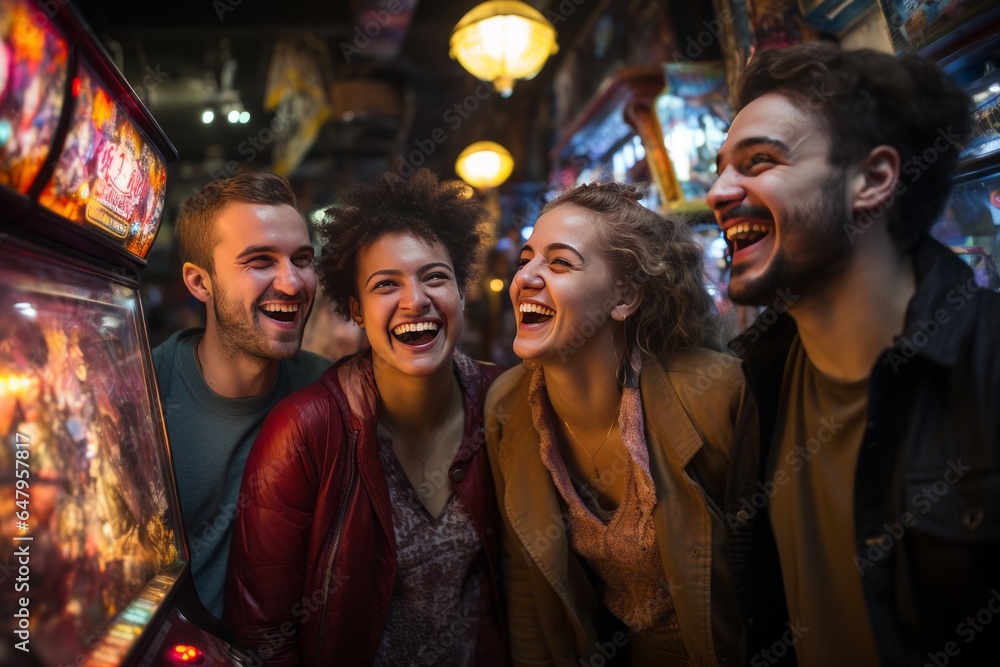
pixel 658 256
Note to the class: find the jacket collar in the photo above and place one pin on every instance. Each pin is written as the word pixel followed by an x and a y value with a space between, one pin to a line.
pixel 942 303
pixel 668 425
pixel 358 396
pixel 531 500
pixel 353 386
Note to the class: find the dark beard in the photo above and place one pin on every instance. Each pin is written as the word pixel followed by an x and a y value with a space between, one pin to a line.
pixel 819 252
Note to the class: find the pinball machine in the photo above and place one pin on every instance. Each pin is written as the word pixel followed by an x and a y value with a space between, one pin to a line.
pixel 94 567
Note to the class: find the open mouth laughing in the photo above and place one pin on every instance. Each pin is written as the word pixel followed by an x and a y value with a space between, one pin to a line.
pixel 746 234
pixel 281 312
pixel 533 313
pixel 416 333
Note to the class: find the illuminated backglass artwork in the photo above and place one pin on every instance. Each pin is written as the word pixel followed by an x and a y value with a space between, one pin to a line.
pixel 109 176
pixel 32 89
pixel 76 385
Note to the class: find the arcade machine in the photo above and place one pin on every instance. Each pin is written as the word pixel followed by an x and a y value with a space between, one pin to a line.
pixel 963 36
pixel 94 567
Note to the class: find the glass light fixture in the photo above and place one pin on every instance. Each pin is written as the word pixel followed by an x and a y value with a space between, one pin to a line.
pixel 484 165
pixel 503 40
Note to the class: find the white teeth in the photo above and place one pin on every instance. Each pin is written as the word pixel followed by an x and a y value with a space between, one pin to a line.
pixel 416 326
pixel 280 308
pixel 535 308
pixel 744 228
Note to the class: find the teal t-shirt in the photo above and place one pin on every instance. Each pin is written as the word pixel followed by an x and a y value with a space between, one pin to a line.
pixel 210 439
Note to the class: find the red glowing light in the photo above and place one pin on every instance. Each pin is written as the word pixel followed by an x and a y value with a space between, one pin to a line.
pixel 185 655
pixel 76 86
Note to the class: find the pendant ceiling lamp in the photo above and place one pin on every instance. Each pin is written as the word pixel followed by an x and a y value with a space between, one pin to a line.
pixel 501 41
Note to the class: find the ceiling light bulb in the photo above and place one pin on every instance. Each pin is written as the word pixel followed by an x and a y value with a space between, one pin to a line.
pixel 234 116
pixel 484 165
pixel 245 117
pixel 207 116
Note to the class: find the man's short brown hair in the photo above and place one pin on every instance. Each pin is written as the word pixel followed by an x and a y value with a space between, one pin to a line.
pixel 196 234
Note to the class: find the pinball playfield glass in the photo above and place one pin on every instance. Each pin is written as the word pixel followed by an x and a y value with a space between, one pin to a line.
pixel 85 483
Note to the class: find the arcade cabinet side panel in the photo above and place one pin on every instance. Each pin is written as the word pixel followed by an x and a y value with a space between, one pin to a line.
pixel 88 522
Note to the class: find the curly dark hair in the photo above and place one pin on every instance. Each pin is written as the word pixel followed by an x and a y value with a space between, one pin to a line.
pixel 196 223
pixel 657 255
pixel 420 205
pixel 869 99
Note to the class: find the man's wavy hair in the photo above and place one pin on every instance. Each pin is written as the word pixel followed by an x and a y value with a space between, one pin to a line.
pixel 869 99
pixel 658 256
pixel 420 205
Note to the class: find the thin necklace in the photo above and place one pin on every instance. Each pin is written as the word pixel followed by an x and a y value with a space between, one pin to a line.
pixel 597 473
pixel 423 461
pixel 425 490
pixel 406 442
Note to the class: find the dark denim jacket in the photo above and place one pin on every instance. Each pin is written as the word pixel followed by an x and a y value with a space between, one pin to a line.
pixel 927 487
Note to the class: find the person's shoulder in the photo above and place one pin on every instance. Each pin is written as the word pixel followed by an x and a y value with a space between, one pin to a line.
pixel 709 385
pixel 700 366
pixel 990 301
pixel 309 403
pixel 476 376
pixel 168 348
pixel 984 345
pixel 488 371
pixel 306 367
pixel 510 383
pixel 165 354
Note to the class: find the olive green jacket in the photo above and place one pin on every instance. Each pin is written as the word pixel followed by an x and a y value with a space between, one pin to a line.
pixel 692 405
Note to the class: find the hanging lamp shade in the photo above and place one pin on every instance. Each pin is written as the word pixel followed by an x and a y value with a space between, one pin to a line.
pixel 484 165
pixel 501 41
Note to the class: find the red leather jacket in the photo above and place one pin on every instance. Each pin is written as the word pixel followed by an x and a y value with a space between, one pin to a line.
pixel 313 558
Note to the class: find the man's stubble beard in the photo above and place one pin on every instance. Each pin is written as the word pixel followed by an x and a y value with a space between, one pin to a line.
pixel 240 334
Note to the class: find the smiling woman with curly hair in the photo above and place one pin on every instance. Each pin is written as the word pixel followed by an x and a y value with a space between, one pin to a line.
pixel 368 532
pixel 610 446
pixel 421 206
